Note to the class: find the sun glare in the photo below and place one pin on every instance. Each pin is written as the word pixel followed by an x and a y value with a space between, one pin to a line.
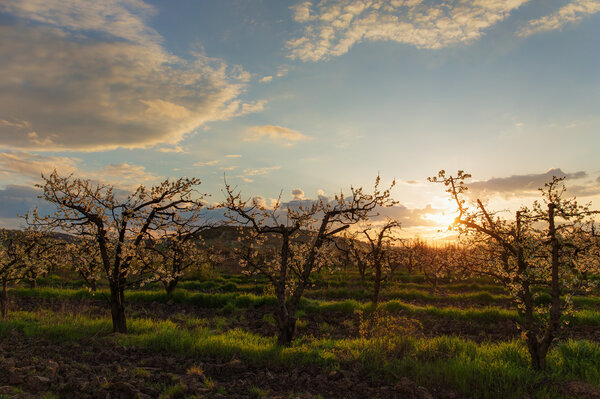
pixel 442 219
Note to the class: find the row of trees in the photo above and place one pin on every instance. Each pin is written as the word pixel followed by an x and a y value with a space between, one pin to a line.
pixel 552 246
pixel 155 235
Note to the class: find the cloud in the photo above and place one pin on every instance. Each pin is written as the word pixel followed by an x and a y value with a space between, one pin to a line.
pixel 283 70
pixel 177 148
pixel 233 156
pixel 411 219
pixel 123 175
pixel 248 174
pixel 206 163
pixel 276 133
pixel 15 165
pixel 27 167
pixel 94 76
pixel 332 27
pixel 18 200
pixel 266 79
pixel 523 185
pixel 298 193
pixel 570 13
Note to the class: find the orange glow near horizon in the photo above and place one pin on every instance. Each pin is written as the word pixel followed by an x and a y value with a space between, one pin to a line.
pixel 443 219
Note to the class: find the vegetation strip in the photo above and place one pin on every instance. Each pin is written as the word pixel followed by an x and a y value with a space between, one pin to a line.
pixel 231 301
pixel 477 370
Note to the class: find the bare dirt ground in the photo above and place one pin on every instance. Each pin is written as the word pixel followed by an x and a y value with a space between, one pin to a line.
pixel 100 368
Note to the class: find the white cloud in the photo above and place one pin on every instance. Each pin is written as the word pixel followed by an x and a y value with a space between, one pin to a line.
pixel 94 76
pixel 266 79
pixel 570 13
pixel 332 27
pixel 233 156
pixel 280 134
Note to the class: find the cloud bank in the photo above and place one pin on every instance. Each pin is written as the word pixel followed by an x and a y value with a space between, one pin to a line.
pixel 22 167
pixel 79 75
pixel 528 184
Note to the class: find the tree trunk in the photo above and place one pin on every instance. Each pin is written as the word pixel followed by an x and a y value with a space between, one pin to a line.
pixel 433 282
pixel 117 308
pixel 376 285
pixel 4 300
pixel 537 352
pixel 170 286
pixel 285 330
pixel 361 271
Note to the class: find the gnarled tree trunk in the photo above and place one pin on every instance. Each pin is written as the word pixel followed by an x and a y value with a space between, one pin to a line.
pixel 170 286
pixel 117 308
pixel 4 300
pixel 286 328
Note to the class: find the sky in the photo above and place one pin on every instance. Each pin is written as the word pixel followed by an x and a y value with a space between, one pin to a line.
pixel 302 98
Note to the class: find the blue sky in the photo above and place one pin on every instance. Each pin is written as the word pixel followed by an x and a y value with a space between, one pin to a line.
pixel 315 95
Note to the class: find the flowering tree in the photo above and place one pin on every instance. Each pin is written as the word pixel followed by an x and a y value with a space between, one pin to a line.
pixel 373 250
pixel 447 262
pixel 22 254
pixel 547 247
pixel 169 253
pixel 285 252
pixel 83 255
pixel 117 224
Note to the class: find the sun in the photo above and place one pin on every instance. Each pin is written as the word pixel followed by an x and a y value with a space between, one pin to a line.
pixel 442 219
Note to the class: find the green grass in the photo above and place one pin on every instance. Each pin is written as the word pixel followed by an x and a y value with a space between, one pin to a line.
pixel 229 302
pixel 491 370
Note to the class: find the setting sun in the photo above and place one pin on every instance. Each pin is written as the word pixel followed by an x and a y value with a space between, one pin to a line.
pixel 443 220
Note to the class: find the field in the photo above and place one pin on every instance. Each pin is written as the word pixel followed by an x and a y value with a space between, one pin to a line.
pixel 214 337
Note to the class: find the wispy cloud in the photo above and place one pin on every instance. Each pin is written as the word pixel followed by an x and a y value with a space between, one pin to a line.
pixel 177 149
pixel 98 77
pixel 233 156
pixel 16 165
pixel 206 163
pixel 23 167
pixel 123 175
pixel 332 27
pixel 570 13
pixel 248 174
pixel 279 134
